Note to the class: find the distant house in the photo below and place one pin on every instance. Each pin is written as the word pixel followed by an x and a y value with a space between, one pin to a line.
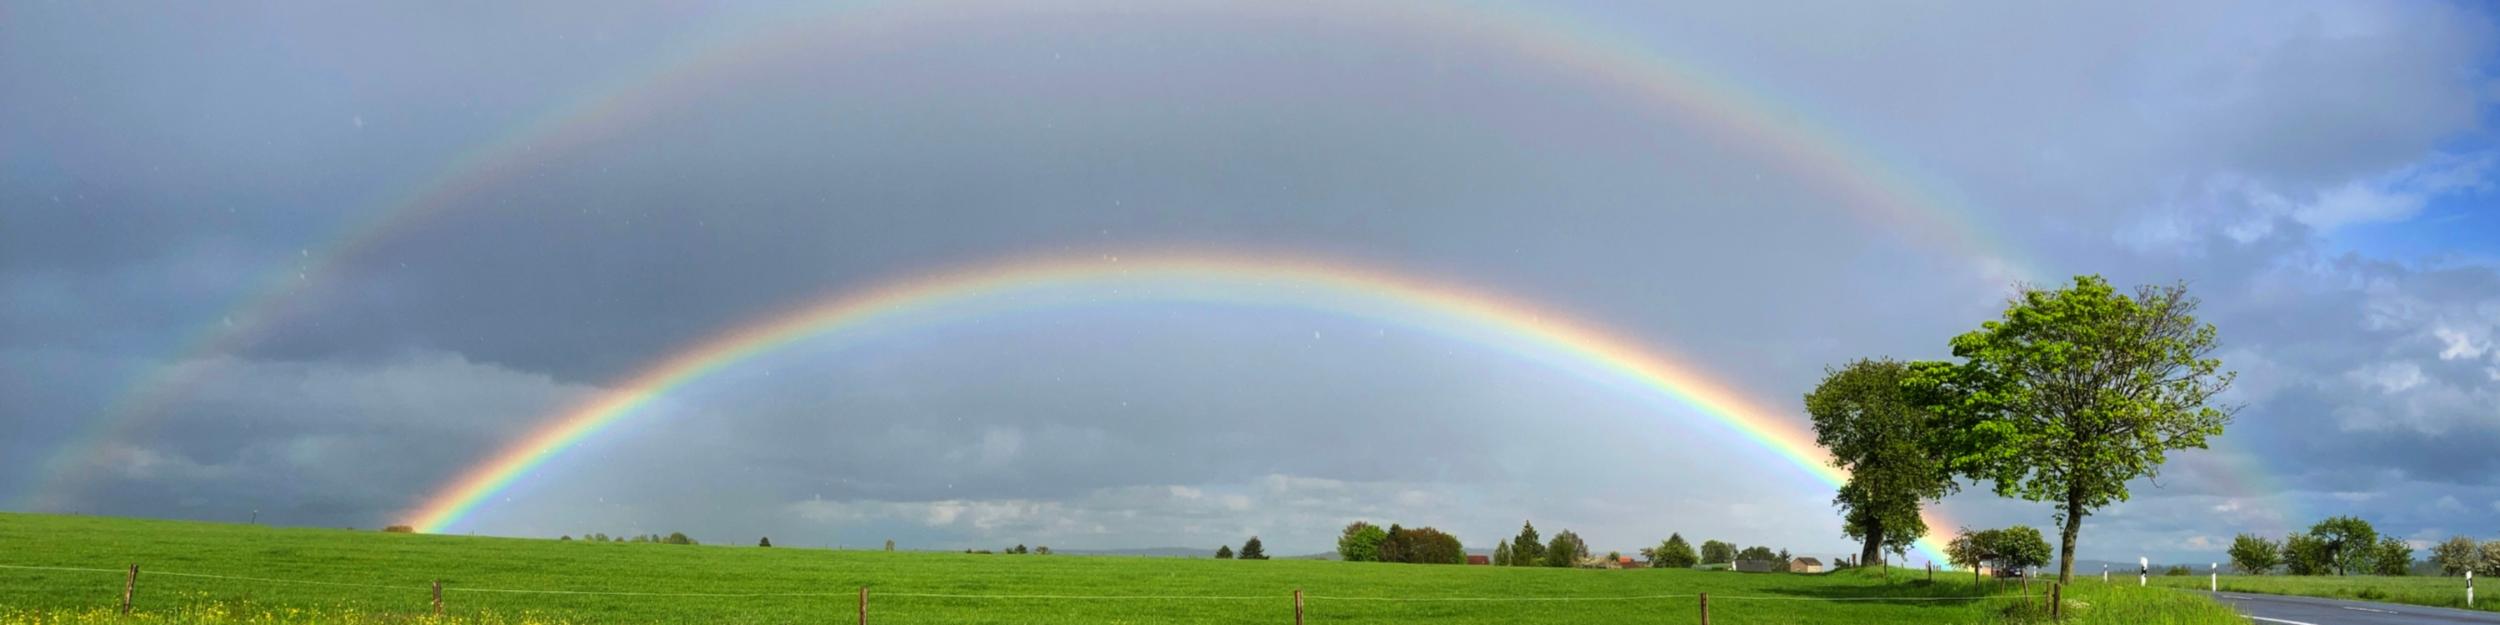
pixel 1757 566
pixel 1629 563
pixel 1805 565
pixel 1479 559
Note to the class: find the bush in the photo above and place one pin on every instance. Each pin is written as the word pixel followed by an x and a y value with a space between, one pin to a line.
pixel 2176 570
pixel 766 542
pixel 400 529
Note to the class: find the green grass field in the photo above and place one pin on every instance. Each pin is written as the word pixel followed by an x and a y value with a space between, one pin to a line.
pixel 2446 592
pixel 371 577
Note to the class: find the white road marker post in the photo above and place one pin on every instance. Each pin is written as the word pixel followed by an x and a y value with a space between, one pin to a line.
pixel 2143 569
pixel 2104 573
pixel 2213 577
pixel 2469 589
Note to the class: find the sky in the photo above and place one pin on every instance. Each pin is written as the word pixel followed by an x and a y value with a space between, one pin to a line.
pixel 306 264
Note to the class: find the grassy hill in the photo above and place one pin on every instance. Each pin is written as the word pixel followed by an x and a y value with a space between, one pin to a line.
pixel 281 575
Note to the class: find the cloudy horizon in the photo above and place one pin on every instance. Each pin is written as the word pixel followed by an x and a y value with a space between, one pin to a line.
pixel 309 264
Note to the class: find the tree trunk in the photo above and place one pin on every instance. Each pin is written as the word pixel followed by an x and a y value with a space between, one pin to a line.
pixel 2066 548
pixel 1874 545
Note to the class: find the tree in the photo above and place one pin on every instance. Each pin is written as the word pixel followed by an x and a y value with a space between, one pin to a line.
pixel 2254 555
pixel 2491 559
pixel 1252 550
pixel 766 542
pixel 1360 542
pixel 1879 426
pixel 1224 552
pixel 2392 557
pixel 2306 554
pixel 1566 550
pixel 399 529
pixel 889 544
pixel 1674 554
pixel 1020 550
pixel 2176 570
pixel 565 538
pixel 2456 556
pixel 1715 552
pixel 1041 550
pixel 2349 542
pixel 1526 550
pixel 1424 545
pixel 1501 553
pixel 1966 551
pixel 2013 548
pixel 2079 390
pixel 677 538
pixel 1757 553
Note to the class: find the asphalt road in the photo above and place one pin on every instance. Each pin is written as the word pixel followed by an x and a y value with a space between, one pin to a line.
pixel 2282 610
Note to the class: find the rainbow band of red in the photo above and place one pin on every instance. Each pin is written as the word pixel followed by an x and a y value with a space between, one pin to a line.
pixel 1652 373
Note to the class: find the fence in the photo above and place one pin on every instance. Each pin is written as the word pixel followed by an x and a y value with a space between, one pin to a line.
pixel 434 592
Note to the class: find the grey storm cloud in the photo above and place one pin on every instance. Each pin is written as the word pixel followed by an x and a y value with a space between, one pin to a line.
pixel 168 170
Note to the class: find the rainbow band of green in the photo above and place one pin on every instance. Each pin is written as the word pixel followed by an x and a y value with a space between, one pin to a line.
pixel 907 302
pixel 1862 180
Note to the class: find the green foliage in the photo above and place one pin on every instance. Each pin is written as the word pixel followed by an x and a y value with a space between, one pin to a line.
pixel 399 529
pixel 1674 554
pixel 1422 545
pixel 766 542
pixel 2456 556
pixel 2078 390
pixel 889 544
pixel 2491 559
pixel 1756 552
pixel 2349 542
pixel 2306 554
pixel 1527 549
pixel 1717 552
pixel 1360 542
pixel 1020 550
pixel 1566 550
pixel 2393 557
pixel 1501 553
pixel 2254 555
pixel 1880 426
pixel 2176 570
pixel 1252 550
pixel 1224 552
pixel 1042 550
pixel 2009 549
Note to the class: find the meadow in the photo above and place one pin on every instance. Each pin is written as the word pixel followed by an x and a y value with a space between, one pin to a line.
pixel 2445 592
pixel 299 575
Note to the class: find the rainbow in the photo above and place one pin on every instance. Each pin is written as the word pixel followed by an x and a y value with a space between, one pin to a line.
pixel 750 47
pixel 1612 360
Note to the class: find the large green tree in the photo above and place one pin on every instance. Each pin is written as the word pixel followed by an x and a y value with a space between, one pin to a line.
pixel 2078 390
pixel 2348 543
pixel 1360 542
pixel 1501 553
pixel 2254 555
pixel 1717 552
pixel 2393 556
pixel 1527 549
pixel 1252 550
pixel 1869 414
pixel 2013 548
pixel 2306 554
pixel 1566 550
pixel 1674 554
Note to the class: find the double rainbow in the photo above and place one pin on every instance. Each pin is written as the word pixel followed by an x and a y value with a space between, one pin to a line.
pixel 1682 388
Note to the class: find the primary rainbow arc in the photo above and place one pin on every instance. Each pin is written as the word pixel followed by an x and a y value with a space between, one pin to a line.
pixel 905 302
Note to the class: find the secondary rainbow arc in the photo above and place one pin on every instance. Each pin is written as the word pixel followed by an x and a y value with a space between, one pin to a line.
pixel 1649 371
pixel 1861 178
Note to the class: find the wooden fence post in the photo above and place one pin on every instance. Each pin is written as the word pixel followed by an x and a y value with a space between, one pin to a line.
pixel 863 605
pixel 1705 608
pixel 130 586
pixel 438 597
pixel 1297 606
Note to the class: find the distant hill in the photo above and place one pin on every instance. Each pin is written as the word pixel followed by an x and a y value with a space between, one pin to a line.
pixel 1147 552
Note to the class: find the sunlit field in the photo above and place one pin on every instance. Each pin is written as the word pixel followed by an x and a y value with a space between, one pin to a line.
pixel 366 576
pixel 2446 592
